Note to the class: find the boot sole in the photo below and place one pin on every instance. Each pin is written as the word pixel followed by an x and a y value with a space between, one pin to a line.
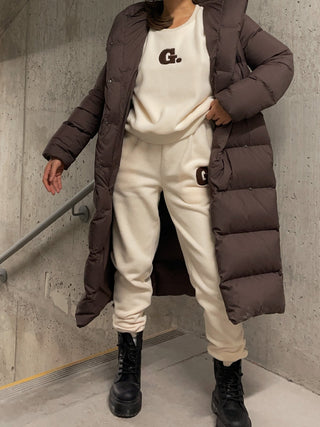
pixel 125 409
pixel 219 422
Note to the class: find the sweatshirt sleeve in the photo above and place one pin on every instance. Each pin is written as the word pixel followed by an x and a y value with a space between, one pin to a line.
pixel 272 67
pixel 82 125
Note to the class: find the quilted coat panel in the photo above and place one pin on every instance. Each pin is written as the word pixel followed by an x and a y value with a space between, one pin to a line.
pixel 247 210
pixel 272 67
pixel 252 296
pixel 251 166
pixel 248 253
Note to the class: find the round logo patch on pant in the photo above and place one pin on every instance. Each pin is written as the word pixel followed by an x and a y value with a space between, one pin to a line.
pixel 202 175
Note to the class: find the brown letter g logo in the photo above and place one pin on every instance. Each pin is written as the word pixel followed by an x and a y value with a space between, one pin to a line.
pixel 167 56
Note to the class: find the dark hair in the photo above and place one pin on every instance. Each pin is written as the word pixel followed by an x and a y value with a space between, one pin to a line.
pixel 154 10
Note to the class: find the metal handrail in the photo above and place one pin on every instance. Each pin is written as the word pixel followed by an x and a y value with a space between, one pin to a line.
pixel 83 212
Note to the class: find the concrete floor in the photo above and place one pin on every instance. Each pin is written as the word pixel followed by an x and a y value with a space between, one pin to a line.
pixel 177 381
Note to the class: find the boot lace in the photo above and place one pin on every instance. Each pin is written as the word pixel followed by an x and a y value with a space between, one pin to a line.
pixel 231 387
pixel 128 360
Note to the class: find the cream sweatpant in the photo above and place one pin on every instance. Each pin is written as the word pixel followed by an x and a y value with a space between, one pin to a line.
pixel 145 170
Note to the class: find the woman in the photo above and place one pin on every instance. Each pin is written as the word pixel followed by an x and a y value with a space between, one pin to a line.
pixel 166 147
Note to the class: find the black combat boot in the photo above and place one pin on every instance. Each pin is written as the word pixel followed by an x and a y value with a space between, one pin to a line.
pixel 227 397
pixel 125 397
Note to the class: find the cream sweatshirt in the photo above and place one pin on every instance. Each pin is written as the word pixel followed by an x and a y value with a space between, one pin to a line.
pixel 172 93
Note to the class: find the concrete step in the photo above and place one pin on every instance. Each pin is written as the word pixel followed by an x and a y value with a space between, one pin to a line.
pixel 177 381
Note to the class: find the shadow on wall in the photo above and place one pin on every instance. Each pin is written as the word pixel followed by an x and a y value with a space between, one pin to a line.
pixel 48 24
pixel 9 10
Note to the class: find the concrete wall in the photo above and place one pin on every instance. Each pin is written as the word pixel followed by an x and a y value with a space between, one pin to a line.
pixel 9 10
pixel 50 56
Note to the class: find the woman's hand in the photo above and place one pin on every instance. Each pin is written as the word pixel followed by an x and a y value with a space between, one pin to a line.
pixel 218 113
pixel 52 175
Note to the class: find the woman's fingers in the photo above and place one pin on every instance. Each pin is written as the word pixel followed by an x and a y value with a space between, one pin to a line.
pixel 213 113
pixel 59 182
pixel 45 178
pixel 218 114
pixel 55 184
pixel 52 176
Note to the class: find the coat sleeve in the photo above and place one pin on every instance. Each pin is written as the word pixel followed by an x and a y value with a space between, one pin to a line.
pixel 272 67
pixel 82 125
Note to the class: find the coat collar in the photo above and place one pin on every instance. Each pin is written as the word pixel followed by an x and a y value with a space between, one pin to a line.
pixel 138 7
pixel 222 21
pixel 134 28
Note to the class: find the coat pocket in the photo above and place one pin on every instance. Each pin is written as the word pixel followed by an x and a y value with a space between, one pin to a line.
pixel 220 171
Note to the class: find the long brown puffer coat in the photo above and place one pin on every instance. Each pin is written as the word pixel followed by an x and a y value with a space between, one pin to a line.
pixel 243 205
